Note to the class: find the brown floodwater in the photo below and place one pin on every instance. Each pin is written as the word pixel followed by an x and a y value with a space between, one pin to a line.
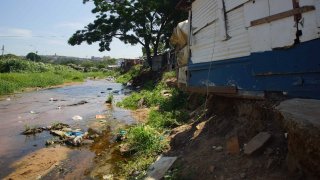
pixel 44 107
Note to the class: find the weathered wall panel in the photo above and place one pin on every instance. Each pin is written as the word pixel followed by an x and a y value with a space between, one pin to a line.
pixel 317 4
pixel 231 4
pixel 279 6
pixel 307 24
pixel 207 46
pixel 283 31
pixel 203 12
pixel 256 10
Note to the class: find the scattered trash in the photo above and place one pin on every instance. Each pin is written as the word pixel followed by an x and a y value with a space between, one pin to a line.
pixel 286 135
pixel 58 133
pixel 8 99
pixel 32 112
pixel 63 134
pixel 217 148
pixel 107 177
pixel 158 169
pixel 32 131
pixel 121 135
pixel 103 121
pixel 115 91
pixel 58 126
pixel 100 116
pixel 52 99
pixel 79 103
pixel 59 107
pixel 77 118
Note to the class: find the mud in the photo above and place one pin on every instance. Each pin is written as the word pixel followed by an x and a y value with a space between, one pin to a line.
pixel 39 163
pixel 48 107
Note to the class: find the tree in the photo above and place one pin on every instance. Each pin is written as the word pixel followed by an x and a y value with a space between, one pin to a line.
pixel 145 22
pixel 33 57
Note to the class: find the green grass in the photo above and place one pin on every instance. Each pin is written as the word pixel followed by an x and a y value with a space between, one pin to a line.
pixel 149 139
pixel 18 74
pixel 126 77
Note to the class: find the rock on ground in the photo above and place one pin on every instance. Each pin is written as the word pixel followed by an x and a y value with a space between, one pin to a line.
pixel 256 143
pixel 301 118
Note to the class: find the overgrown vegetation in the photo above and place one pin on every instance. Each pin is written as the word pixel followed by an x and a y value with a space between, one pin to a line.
pixel 17 74
pixel 168 106
pixel 126 77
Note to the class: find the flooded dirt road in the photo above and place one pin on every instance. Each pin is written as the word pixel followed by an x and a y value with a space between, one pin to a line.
pixel 42 108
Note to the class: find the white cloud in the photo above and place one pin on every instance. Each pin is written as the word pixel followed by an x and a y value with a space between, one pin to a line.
pixel 19 32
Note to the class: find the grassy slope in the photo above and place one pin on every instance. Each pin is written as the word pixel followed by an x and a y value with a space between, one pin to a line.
pixel 150 139
pixel 18 74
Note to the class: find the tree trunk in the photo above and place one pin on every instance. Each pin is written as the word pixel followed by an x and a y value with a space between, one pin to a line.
pixel 148 53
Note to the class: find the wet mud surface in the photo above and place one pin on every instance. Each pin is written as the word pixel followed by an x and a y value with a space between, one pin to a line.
pixel 45 107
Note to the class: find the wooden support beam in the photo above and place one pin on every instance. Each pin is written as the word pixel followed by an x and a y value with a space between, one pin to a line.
pixel 213 89
pixel 282 15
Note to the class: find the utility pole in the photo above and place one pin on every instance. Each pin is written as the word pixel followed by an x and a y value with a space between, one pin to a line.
pixel 2 50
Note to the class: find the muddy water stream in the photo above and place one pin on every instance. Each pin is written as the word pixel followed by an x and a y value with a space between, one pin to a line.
pixel 42 108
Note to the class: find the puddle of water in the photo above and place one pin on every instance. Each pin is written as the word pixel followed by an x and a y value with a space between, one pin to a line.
pixel 15 114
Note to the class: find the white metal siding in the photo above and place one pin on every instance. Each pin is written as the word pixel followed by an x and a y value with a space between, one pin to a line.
pixel 283 31
pixel 259 36
pixel 207 46
pixel 203 43
pixel 279 6
pixel 231 4
pixel 203 12
pixel 317 4
pixel 308 26
pixel 256 10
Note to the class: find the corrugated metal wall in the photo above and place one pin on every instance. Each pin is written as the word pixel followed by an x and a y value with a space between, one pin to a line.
pixel 206 44
pixel 203 12
pixel 310 29
pixel 231 4
pixel 243 39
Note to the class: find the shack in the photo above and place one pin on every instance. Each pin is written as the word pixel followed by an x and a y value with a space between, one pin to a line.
pixel 252 47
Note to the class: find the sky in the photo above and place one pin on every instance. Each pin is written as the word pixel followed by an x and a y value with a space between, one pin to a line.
pixel 46 25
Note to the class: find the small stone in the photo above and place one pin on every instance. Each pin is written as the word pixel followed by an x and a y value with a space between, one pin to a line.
pixel 270 163
pixel 218 149
pixel 257 142
pixel 211 169
pixel 233 145
pixel 108 177
pixel 243 175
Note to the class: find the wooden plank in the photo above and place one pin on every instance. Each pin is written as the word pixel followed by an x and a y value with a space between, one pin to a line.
pixel 282 15
pixel 213 89
pixel 160 167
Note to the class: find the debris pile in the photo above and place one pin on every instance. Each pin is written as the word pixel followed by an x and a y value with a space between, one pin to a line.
pixel 63 134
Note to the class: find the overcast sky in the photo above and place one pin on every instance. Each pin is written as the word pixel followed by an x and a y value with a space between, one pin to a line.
pixel 46 25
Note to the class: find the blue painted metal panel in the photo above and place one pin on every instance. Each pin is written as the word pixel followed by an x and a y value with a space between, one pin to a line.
pixel 295 70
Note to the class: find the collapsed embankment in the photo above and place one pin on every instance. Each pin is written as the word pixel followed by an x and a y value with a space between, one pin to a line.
pixel 247 139
pixel 217 137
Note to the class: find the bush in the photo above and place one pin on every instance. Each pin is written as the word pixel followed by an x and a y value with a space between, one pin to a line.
pixel 146 140
pixel 132 73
